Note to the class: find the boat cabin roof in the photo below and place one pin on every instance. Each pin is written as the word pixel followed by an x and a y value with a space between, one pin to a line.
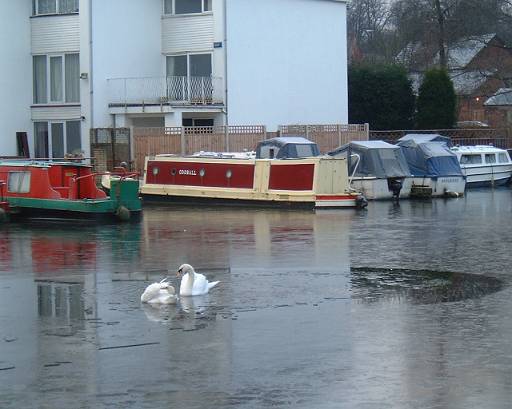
pixel 364 145
pixel 422 138
pixel 284 140
pixel 40 164
pixel 287 147
pixel 477 149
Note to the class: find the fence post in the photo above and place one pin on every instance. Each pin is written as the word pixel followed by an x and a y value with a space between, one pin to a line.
pixel 340 142
pixel 264 132
pixel 226 137
pixel 183 141
pixel 367 130
pixel 131 147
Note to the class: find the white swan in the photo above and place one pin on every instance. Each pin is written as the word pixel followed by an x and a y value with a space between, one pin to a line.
pixel 193 283
pixel 159 293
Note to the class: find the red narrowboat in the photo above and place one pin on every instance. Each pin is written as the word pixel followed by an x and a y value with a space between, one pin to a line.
pixel 64 190
pixel 285 171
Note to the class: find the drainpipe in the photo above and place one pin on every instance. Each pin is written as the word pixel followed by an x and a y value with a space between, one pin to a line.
pixel 91 73
pixel 226 65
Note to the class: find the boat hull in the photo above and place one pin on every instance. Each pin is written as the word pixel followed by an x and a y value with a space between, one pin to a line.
pixel 101 210
pixel 374 188
pixel 441 186
pixel 349 201
pixel 481 176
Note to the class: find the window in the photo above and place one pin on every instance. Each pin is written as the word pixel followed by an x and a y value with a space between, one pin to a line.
pixel 490 158
pixel 187 6
pixel 73 137
pixel 72 78
pixel 41 139
pixel 304 151
pixel 18 182
pixel 189 77
pixel 40 88
pixel 503 157
pixel 45 7
pixel 56 78
pixel 59 138
pixel 470 159
pixel 68 6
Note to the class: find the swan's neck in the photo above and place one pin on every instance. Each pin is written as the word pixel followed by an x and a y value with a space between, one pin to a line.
pixel 190 281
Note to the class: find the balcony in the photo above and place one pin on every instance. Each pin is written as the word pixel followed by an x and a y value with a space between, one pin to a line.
pixel 165 91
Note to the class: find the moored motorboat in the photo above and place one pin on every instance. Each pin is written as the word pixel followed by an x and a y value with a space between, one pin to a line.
pixel 378 169
pixel 65 190
pixel 484 165
pixel 287 171
pixel 434 167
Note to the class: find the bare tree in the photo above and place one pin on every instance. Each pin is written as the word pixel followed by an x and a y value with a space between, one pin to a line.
pixel 382 28
pixel 367 23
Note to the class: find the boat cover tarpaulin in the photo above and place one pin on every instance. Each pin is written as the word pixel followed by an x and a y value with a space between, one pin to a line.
pixel 286 147
pixel 430 159
pixel 426 137
pixel 378 158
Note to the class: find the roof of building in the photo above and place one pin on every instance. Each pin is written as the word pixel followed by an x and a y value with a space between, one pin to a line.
pixel 459 54
pixel 464 82
pixel 502 97
pixel 462 52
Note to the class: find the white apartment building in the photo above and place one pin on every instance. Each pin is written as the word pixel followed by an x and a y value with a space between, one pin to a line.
pixel 73 65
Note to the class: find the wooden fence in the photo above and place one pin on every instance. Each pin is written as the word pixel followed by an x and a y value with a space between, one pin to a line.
pixel 188 140
pixel 501 138
pixel 328 137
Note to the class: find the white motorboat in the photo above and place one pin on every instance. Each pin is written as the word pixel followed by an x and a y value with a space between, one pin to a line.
pixel 484 165
pixel 378 169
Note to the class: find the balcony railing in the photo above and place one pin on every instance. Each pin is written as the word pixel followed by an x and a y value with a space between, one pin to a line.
pixel 166 90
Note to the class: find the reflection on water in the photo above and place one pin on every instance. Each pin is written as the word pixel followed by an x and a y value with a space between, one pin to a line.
pixel 60 300
pixel 419 286
pixel 295 322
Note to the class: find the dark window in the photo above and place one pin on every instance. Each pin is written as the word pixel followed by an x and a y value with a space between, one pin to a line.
pixel 188 6
pixel 73 137
pixel 41 139
pixel 470 159
pixel 490 158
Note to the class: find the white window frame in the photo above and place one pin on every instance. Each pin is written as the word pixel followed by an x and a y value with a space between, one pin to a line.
pixel 22 180
pixel 173 8
pixel 64 136
pixel 57 9
pixel 188 55
pixel 49 100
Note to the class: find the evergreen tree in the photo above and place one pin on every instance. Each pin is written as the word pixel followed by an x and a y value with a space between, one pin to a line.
pixel 380 95
pixel 436 101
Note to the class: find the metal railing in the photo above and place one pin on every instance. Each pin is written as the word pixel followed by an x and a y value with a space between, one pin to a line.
pixel 165 90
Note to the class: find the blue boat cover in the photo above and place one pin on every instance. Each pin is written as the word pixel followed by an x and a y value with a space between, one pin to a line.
pixel 426 137
pixel 430 159
pixel 377 158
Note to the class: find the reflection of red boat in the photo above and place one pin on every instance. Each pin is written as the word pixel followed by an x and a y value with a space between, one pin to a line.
pixel 64 190
pixel 51 254
pixel 287 171
pixel 4 205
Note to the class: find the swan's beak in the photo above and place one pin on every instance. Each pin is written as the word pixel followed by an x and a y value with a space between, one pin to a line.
pixel 178 273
